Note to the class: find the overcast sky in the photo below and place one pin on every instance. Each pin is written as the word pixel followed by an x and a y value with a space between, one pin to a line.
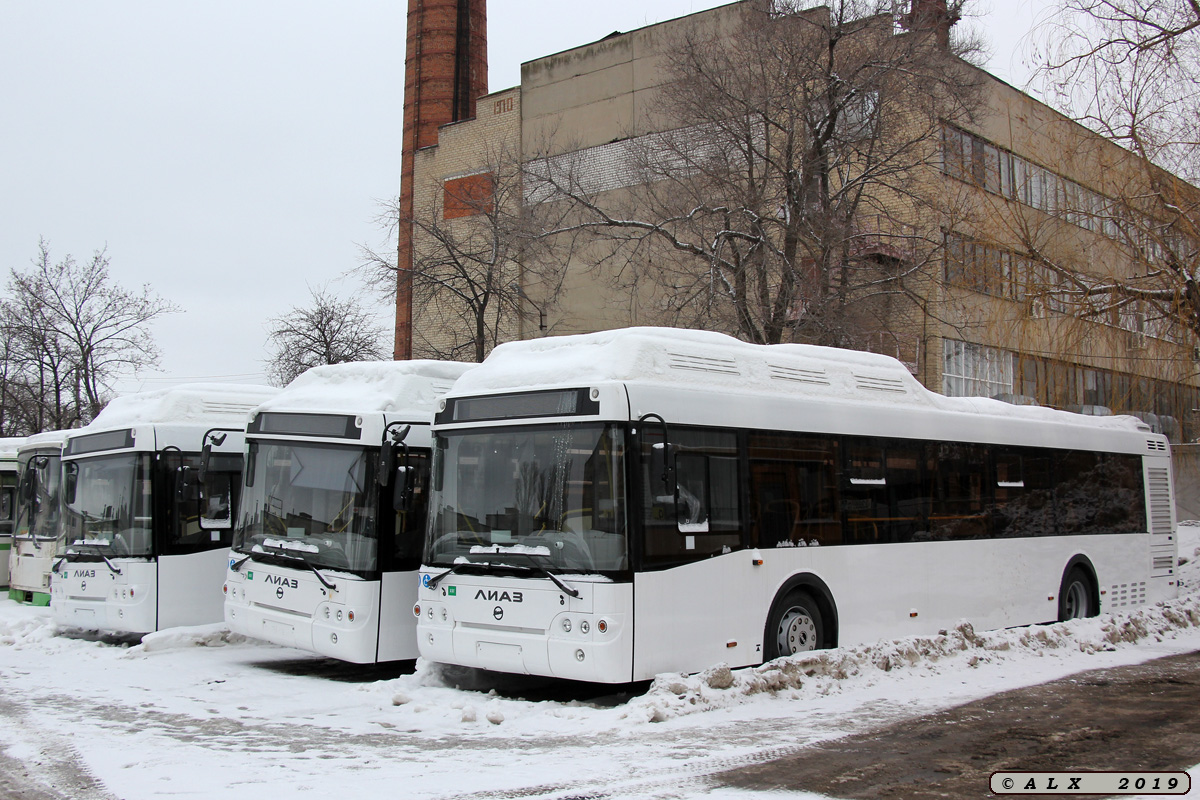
pixel 232 153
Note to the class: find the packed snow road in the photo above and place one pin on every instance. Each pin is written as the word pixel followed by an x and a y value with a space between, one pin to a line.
pixel 199 712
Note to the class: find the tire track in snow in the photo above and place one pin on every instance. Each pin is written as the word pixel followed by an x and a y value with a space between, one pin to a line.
pixel 56 772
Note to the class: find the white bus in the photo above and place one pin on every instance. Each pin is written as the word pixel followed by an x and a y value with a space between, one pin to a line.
pixel 148 496
pixel 38 532
pixel 611 506
pixel 332 520
pixel 8 501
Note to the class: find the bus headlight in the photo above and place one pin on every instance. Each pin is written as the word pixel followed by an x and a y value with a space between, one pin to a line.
pixel 585 627
pixel 579 655
pixel 566 625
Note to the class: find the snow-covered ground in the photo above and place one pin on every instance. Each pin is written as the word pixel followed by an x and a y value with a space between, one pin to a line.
pixel 201 712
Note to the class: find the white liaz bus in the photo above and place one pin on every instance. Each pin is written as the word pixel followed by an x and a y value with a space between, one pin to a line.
pixel 148 496
pixel 332 520
pixel 611 506
pixel 39 531
pixel 8 501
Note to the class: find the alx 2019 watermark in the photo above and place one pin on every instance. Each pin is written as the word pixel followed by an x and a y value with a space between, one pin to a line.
pixel 1107 783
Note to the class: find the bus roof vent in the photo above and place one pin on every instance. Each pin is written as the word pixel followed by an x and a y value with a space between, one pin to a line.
pixel 688 361
pixel 877 384
pixel 813 377
pixel 217 407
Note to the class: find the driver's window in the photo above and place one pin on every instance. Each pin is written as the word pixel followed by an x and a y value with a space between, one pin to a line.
pixel 699 514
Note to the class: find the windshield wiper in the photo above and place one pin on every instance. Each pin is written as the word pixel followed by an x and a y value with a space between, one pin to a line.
pixel 104 558
pixel 453 568
pixel 544 570
pixel 330 586
pixel 237 566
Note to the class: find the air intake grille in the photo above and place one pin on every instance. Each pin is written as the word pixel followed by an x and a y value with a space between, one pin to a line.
pixel 1128 594
pixel 1156 445
pixel 722 366
pixel 814 377
pixel 226 408
pixel 1160 500
pixel 876 384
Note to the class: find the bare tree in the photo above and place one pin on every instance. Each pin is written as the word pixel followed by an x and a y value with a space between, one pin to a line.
pixel 782 199
pixel 479 259
pixel 71 331
pixel 1130 70
pixel 329 331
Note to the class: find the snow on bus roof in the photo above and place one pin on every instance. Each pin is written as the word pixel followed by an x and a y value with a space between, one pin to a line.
pixel 365 386
pixel 9 446
pixel 706 360
pixel 202 403
pixel 43 440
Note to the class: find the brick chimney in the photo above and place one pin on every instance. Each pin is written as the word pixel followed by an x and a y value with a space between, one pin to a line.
pixel 445 70
pixel 931 16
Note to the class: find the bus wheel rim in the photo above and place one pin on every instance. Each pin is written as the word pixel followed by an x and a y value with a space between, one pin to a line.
pixel 1076 601
pixel 797 632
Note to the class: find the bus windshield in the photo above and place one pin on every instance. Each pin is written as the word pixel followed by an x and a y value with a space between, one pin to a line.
pixel 541 498
pixel 110 511
pixel 313 502
pixel 37 506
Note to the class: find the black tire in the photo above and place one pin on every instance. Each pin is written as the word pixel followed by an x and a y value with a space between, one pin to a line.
pixel 795 625
pixel 1077 596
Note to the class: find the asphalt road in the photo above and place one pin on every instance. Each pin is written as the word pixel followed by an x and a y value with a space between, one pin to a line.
pixel 1144 717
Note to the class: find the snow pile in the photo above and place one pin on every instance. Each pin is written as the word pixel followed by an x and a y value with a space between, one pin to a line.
pixel 26 630
pixel 399 387
pixel 9 446
pixel 188 403
pixel 51 440
pixel 215 635
pixel 831 671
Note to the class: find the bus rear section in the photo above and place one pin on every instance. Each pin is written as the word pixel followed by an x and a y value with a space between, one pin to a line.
pixel 335 494
pixel 150 491
pixel 692 500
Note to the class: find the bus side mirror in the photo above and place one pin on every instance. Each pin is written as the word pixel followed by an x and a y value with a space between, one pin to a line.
pixel 662 466
pixel 210 439
pixel 387 463
pixel 70 482
pixel 28 480
pixel 401 489
pixel 187 483
pixel 387 451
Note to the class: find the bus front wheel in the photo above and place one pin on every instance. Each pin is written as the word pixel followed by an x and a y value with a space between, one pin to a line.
pixel 1075 598
pixel 795 626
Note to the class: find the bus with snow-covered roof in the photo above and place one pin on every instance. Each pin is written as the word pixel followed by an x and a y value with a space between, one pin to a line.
pixel 149 491
pixel 38 531
pixel 611 506
pixel 332 518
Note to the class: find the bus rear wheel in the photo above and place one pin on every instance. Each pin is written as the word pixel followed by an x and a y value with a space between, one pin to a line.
pixel 1075 597
pixel 795 626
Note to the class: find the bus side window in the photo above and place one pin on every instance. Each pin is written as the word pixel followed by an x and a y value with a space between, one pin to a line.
pixel 793 490
pixel 1022 497
pixel 960 492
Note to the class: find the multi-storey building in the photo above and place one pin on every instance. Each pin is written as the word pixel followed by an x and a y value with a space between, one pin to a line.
pixel 1027 245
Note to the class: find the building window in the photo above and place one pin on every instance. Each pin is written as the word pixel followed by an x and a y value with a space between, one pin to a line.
pixel 973 370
